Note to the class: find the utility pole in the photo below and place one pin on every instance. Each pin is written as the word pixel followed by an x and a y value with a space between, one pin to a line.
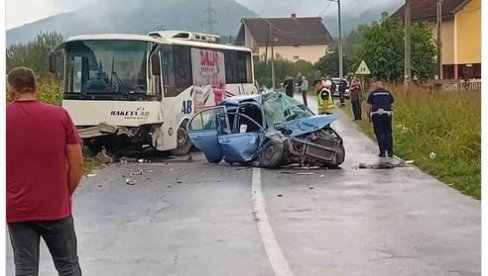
pixel 340 38
pixel 339 43
pixel 211 21
pixel 272 56
pixel 439 42
pixel 408 48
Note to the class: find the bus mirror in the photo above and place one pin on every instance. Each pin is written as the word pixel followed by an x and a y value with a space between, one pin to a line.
pixel 52 62
pixel 155 68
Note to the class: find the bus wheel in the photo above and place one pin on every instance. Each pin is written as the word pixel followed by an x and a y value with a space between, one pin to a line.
pixel 184 143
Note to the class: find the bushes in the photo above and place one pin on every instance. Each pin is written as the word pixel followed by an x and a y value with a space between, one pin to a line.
pixel 49 90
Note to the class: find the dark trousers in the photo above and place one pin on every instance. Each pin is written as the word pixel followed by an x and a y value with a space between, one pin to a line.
pixel 304 96
pixel 383 131
pixel 342 97
pixel 60 239
pixel 356 109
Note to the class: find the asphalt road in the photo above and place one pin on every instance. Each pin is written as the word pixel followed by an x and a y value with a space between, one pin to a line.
pixel 194 218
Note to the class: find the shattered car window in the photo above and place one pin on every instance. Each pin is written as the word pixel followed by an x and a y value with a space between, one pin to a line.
pixel 279 109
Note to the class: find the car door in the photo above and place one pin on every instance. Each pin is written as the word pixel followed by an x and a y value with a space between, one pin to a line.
pixel 203 129
pixel 242 145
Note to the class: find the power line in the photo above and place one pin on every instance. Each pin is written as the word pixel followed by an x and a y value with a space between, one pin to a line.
pixel 326 7
pixel 211 21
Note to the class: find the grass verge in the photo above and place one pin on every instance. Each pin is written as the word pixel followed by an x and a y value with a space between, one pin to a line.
pixel 445 123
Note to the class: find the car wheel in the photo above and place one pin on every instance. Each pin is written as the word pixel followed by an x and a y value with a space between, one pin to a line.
pixel 213 160
pixel 184 143
pixel 271 154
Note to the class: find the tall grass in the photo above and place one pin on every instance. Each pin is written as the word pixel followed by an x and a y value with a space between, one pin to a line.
pixel 446 123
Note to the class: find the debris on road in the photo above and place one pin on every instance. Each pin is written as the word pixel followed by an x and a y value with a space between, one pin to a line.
pixel 409 162
pixel 322 176
pixel 103 157
pixel 138 172
pixel 298 173
pixel 91 175
pixel 130 182
pixel 141 160
pixel 287 172
pixel 376 166
pixel 280 195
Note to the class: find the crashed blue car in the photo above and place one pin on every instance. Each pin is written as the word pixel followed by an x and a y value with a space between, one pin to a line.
pixel 267 130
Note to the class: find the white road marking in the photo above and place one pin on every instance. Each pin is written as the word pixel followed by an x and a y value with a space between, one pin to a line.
pixel 276 258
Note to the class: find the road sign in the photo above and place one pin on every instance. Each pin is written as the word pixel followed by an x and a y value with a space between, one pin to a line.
pixel 363 69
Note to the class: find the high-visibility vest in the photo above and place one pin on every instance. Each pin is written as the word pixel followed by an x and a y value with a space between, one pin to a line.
pixel 327 104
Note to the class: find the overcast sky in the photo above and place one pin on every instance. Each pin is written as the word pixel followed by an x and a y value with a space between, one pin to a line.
pixel 19 12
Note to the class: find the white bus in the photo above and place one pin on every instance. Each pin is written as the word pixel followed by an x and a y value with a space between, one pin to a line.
pixel 140 90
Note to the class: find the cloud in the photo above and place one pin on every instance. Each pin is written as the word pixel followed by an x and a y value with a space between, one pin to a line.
pixel 282 8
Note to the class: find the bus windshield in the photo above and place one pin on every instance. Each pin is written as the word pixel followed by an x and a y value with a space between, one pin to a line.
pixel 114 67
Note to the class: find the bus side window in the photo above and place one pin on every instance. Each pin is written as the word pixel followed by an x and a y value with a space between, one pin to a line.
pixel 242 67
pixel 230 67
pixel 182 65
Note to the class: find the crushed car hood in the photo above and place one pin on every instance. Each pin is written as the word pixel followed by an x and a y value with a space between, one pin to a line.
pixel 303 126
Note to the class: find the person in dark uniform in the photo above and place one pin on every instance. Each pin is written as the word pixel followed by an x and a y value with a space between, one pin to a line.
pixel 342 91
pixel 289 85
pixel 380 104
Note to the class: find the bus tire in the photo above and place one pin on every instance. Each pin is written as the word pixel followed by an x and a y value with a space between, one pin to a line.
pixel 184 143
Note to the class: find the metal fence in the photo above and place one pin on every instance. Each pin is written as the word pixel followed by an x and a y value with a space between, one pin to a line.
pixel 470 85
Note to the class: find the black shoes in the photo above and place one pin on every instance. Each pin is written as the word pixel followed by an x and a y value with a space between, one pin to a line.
pixel 381 155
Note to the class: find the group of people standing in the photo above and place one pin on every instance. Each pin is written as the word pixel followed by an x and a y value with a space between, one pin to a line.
pixel 300 84
pixel 380 104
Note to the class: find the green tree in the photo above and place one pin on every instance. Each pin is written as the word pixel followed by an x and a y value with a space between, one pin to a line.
pixel 424 65
pixel 283 67
pixel 33 54
pixel 329 64
pixel 382 47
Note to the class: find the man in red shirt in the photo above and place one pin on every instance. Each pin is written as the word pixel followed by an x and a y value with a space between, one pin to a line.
pixel 44 167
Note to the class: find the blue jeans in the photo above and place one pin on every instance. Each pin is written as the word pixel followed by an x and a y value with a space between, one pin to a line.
pixel 60 239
